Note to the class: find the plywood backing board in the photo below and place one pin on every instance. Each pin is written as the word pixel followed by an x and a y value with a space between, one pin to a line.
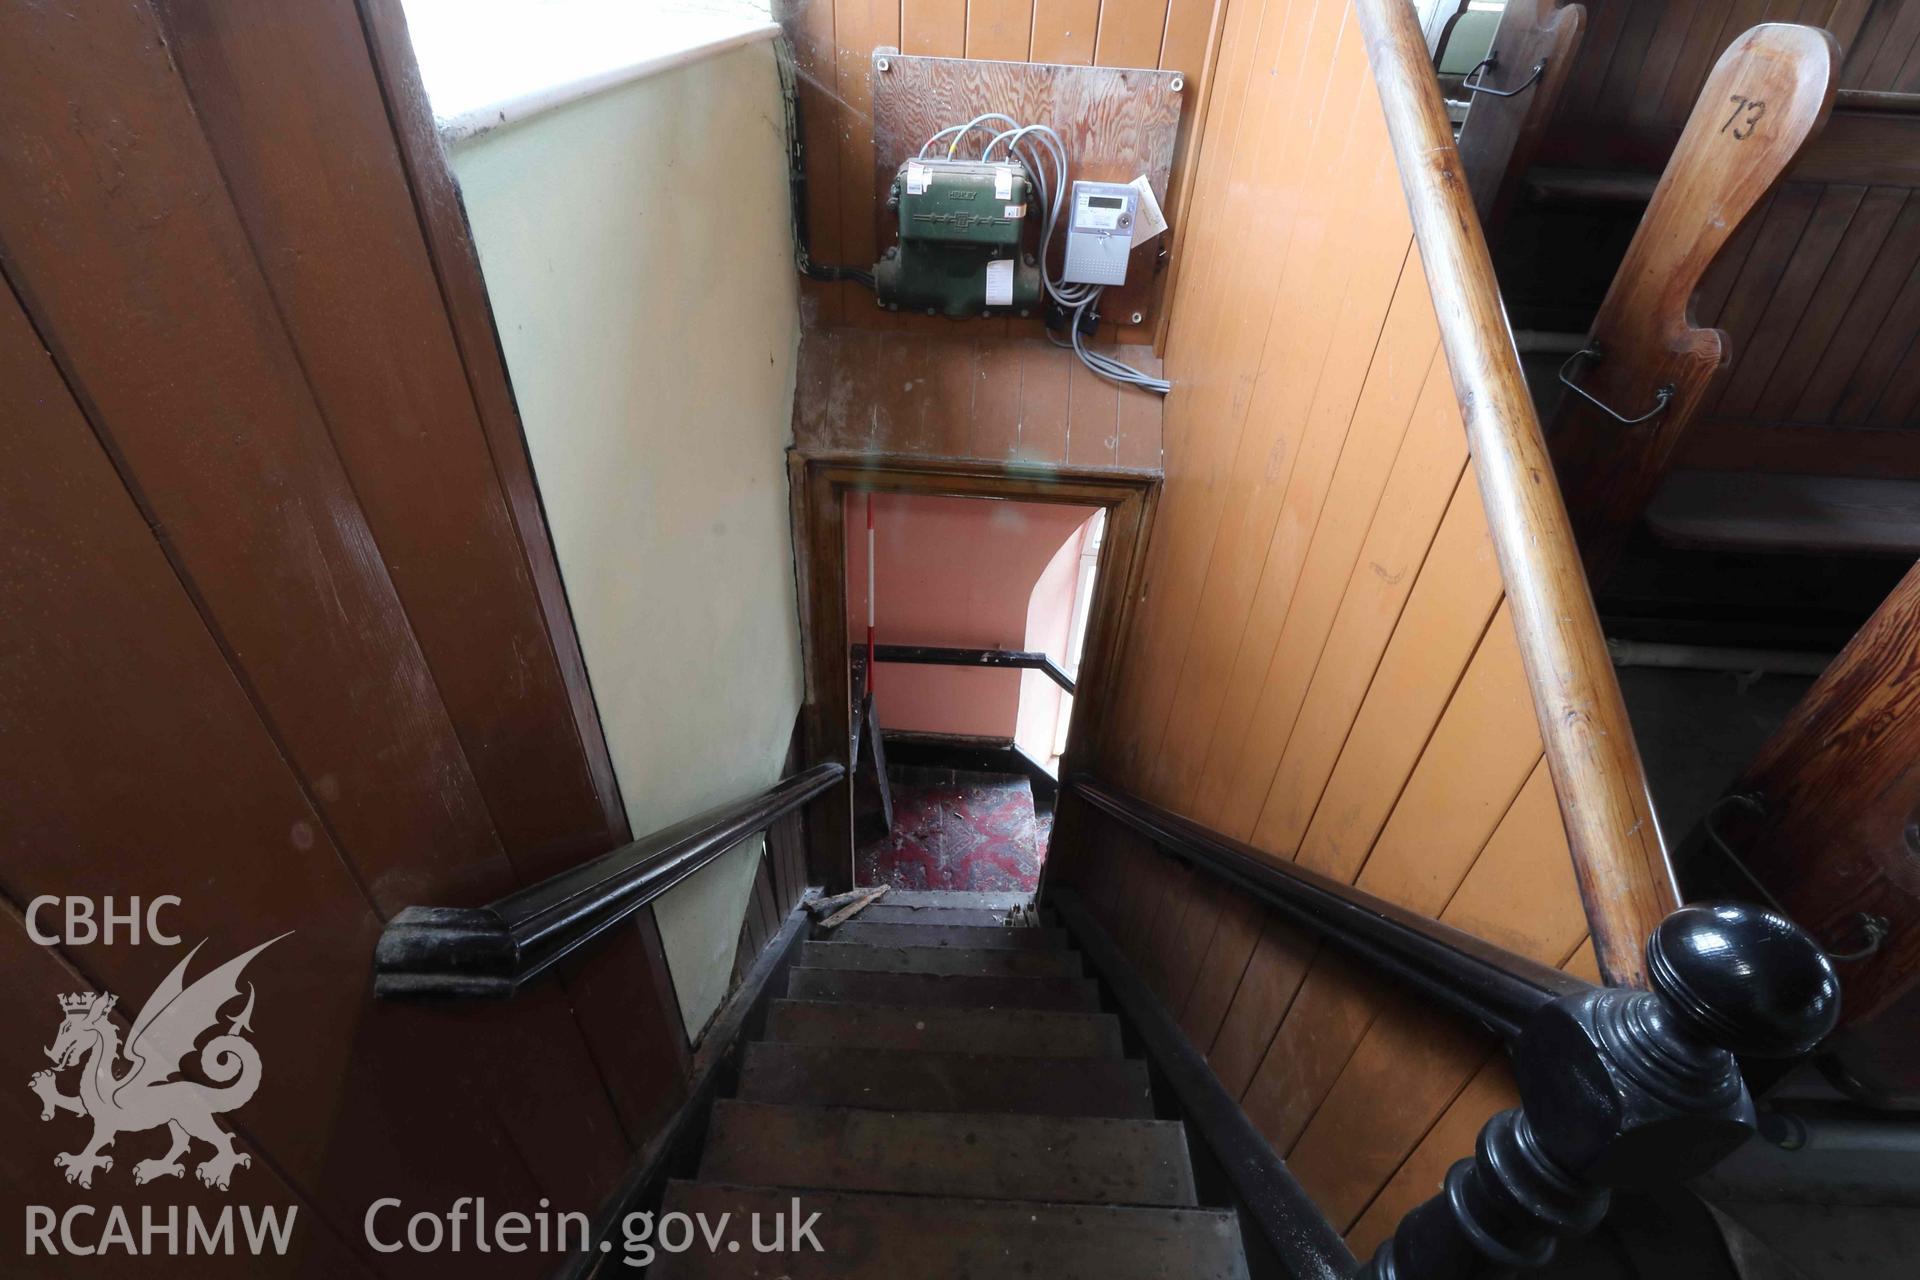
pixel 1117 123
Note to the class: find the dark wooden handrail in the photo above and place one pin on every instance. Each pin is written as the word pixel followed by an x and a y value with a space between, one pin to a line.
pixel 1617 1086
pixel 949 656
pixel 497 949
pixel 1279 1207
pixel 1496 988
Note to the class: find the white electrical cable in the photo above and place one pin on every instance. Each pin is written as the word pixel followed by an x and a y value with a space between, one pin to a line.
pixel 1030 143
pixel 962 130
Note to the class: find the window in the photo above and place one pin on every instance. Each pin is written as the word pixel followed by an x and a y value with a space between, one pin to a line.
pixel 486 63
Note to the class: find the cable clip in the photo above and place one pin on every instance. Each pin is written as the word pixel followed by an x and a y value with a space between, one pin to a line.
pixel 1491 61
pixel 1661 398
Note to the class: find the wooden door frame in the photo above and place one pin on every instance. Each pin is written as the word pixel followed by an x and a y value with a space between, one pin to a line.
pixel 819 483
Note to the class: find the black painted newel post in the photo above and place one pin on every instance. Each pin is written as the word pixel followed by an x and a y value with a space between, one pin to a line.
pixel 1623 1088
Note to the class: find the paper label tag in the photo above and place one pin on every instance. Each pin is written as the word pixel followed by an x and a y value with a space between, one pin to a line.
pixel 1000 282
pixel 1148 221
pixel 916 178
pixel 1015 211
pixel 1003 183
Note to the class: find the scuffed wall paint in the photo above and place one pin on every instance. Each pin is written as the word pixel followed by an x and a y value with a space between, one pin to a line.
pixel 637 251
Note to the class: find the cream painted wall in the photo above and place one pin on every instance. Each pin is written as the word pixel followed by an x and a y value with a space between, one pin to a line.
pixel 637 250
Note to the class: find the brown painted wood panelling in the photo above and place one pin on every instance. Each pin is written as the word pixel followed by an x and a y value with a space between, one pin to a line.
pixel 1324 661
pixel 283 634
pixel 138 762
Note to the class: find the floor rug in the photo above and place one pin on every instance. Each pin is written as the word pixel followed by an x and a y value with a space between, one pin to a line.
pixel 956 830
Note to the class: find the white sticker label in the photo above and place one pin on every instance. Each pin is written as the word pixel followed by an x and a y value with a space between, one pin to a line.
pixel 916 178
pixel 1015 211
pixel 1003 183
pixel 1000 282
pixel 1148 221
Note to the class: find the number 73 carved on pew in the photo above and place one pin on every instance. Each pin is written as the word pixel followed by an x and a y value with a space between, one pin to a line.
pixel 1644 348
pixel 1754 109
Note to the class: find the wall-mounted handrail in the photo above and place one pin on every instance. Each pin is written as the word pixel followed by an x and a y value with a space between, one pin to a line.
pixel 497 949
pixel 1474 978
pixel 1308 1246
pixel 1617 1086
pixel 949 656
pixel 1619 857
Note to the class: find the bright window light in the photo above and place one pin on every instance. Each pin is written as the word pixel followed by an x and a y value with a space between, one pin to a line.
pixel 476 55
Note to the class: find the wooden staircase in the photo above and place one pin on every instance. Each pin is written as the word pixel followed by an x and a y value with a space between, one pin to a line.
pixel 944 1090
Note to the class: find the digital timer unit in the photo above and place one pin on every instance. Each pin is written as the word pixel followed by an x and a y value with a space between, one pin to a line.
pixel 1100 233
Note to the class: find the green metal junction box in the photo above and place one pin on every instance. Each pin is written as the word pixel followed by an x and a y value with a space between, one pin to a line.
pixel 959 252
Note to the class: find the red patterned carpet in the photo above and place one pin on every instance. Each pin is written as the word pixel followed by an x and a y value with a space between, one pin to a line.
pixel 954 830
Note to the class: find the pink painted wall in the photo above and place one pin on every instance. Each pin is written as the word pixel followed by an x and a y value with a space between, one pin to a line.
pixel 955 571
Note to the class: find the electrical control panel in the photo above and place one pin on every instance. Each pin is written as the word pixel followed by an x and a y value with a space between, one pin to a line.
pixel 959 252
pixel 1100 233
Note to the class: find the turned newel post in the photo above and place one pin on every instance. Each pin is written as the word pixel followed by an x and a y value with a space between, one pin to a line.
pixel 1623 1088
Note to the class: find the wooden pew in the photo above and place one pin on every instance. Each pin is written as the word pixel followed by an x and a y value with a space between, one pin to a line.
pixel 1645 369
pixel 1814 296
pixel 1824 820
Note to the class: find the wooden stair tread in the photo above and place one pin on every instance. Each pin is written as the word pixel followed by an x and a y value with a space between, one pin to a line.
pixel 933 990
pixel 933 933
pixel 1061 1159
pixel 974 962
pixel 911 1080
pixel 1035 1033
pixel 866 1236
pixel 963 899
pixel 886 911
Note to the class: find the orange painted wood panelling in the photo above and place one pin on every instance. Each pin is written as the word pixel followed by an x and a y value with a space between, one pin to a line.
pixel 1323 662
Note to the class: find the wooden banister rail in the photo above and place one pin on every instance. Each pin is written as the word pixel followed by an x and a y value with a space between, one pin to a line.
pixel 1618 1087
pixel 1647 369
pixel 1477 980
pixel 497 949
pixel 1626 881
pixel 990 659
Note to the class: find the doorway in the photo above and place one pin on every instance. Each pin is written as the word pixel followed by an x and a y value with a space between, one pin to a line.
pixel 968 616
pixel 997 601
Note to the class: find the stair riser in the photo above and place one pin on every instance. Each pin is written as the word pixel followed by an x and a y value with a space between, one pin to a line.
pixel 965 937
pixel 941 960
pixel 1013 1032
pixel 1065 1161
pixel 815 1076
pixel 888 912
pixel 960 899
pixel 1078 995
